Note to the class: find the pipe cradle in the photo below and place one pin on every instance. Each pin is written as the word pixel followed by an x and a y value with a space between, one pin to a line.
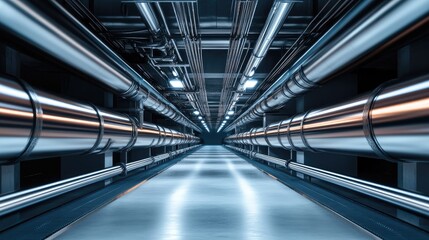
pixel 390 123
pixel 35 124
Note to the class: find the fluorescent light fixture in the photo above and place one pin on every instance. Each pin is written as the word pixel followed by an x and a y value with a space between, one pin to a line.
pixel 175 73
pixel 227 117
pixel 199 117
pixel 196 112
pixel 202 121
pixel 230 112
pixel 250 83
pixel 176 83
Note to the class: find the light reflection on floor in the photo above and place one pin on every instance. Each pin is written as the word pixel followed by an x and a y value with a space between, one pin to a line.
pixel 213 194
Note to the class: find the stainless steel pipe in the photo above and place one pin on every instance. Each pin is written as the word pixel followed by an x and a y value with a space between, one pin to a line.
pixel 408 200
pixel 278 13
pixel 54 31
pixel 390 123
pixel 148 15
pixel 378 28
pixel 36 124
pixel 19 200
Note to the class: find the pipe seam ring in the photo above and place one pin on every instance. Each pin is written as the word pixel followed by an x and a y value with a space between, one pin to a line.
pixel 37 121
pixel 134 134
pixel 266 137
pixel 132 91
pixel 100 131
pixel 286 89
pixel 289 137
pixel 304 140
pixel 278 134
pixel 306 80
pixel 368 128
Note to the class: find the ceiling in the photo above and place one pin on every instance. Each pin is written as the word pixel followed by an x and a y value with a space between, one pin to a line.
pixel 197 39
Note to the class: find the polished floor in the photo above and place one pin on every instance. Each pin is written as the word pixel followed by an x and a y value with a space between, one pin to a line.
pixel 213 194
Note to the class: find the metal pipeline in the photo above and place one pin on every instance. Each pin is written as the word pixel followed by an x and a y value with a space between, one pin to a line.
pixel 48 27
pixel 149 17
pixel 275 19
pixel 35 124
pixel 408 200
pixel 377 29
pixel 19 200
pixel 278 13
pixel 390 123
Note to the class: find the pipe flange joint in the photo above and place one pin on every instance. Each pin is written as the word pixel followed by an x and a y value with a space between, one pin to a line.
pixel 134 134
pixel 368 128
pixel 100 131
pixel 304 78
pixel 304 140
pixel 37 121
pixel 132 92
pixel 289 137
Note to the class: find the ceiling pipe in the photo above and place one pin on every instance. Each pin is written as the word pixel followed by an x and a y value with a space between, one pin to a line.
pixel 149 17
pixel 278 13
pixel 35 124
pixel 49 28
pixel 390 123
pixel 376 30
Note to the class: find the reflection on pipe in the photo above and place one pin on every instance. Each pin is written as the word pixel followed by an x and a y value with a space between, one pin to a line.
pixel 149 17
pixel 390 123
pixel 35 124
pixel 375 30
pixel 278 13
pixel 408 200
pixel 19 200
pixel 47 26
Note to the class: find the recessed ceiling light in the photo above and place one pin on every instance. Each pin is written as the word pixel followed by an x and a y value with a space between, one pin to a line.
pixel 227 117
pixel 199 117
pixel 230 112
pixel 196 112
pixel 176 83
pixel 250 83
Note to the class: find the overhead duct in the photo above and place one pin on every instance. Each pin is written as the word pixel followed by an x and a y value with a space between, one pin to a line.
pixel 57 33
pixel 275 20
pixel 377 29
pixel 390 123
pixel 35 124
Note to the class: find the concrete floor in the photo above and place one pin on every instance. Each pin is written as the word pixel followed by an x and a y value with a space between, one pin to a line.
pixel 213 194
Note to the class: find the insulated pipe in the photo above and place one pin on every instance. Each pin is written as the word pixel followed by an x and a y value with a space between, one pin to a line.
pixel 390 123
pixel 377 29
pixel 35 124
pixel 51 29
pixel 278 13
pixel 19 200
pixel 408 200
